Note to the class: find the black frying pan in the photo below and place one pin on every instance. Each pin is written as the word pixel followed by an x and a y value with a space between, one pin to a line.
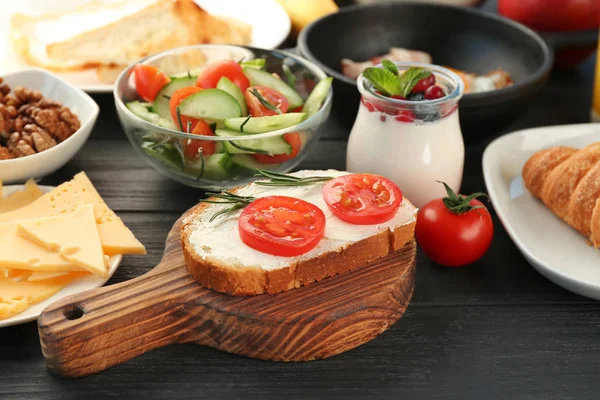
pixel 461 38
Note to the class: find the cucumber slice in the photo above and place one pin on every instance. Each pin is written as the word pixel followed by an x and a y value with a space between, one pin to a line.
pixel 216 167
pixel 257 63
pixel 317 97
pixel 166 154
pixel 161 102
pixel 142 110
pixel 259 77
pixel 211 104
pixel 271 145
pixel 265 124
pixel 188 74
pixel 226 85
pixel 248 162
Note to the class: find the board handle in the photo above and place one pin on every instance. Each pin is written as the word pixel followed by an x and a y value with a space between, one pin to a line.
pixel 94 330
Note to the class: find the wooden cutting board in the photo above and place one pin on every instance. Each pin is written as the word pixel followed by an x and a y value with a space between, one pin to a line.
pixel 95 330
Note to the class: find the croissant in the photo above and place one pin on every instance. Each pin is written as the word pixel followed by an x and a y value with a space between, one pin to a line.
pixel 567 180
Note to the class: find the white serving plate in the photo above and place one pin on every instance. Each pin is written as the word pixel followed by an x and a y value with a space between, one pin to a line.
pixel 270 27
pixel 78 285
pixel 551 246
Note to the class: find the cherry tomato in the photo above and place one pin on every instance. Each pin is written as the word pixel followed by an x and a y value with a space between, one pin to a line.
pixel 293 138
pixel 257 109
pixel 362 199
pixel 456 234
pixel 149 80
pixel 176 98
pixel 209 77
pixel 192 148
pixel 281 225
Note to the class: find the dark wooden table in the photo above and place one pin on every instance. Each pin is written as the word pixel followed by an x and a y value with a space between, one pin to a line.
pixel 493 330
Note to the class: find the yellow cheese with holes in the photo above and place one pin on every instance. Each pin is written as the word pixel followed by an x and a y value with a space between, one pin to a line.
pixel 43 275
pixel 20 198
pixel 116 238
pixel 17 296
pixel 18 252
pixel 72 235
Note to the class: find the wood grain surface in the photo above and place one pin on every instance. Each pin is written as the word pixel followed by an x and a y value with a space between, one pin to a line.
pixel 89 332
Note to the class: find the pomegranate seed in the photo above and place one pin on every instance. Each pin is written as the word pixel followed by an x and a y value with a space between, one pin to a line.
pixel 377 60
pixel 398 97
pixel 405 116
pixel 434 92
pixel 368 105
pixel 382 118
pixel 424 83
pixel 379 108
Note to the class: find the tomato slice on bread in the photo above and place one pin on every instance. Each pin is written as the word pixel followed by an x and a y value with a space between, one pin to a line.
pixel 281 225
pixel 362 199
pixel 149 80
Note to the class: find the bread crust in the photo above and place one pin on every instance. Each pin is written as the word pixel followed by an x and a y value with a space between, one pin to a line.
pixel 246 281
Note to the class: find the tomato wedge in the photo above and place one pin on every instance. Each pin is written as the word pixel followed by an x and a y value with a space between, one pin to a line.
pixel 176 98
pixel 192 148
pixel 362 199
pixel 272 96
pixel 209 77
pixel 293 138
pixel 149 80
pixel 281 225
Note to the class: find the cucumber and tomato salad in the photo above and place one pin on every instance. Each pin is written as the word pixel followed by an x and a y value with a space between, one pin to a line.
pixel 228 99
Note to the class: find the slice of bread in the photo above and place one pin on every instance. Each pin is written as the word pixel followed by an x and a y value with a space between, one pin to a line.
pixel 119 32
pixel 218 259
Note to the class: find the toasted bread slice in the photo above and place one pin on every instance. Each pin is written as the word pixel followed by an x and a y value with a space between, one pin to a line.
pixel 218 259
pixel 120 32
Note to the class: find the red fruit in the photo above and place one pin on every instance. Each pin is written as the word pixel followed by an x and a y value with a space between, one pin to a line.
pixel 368 105
pixel 434 92
pixel 424 83
pixel 398 97
pixel 405 116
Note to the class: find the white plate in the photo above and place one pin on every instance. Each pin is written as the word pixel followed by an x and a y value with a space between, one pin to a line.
pixel 79 285
pixel 270 26
pixel 551 246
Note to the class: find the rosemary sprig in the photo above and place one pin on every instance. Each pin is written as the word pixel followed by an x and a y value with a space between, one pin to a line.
pixel 264 102
pixel 178 112
pixel 166 97
pixel 244 123
pixel 249 149
pixel 279 179
pixel 225 197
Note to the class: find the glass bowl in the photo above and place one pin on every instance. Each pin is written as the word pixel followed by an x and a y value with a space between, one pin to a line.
pixel 161 147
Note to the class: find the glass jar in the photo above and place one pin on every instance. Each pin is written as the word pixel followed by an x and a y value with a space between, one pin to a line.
pixel 414 143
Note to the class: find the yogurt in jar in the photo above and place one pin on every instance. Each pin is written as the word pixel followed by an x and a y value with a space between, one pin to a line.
pixel 416 153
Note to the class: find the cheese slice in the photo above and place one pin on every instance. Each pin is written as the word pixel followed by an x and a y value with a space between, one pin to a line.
pixel 16 274
pixel 18 252
pixel 73 235
pixel 43 275
pixel 20 198
pixel 15 297
pixel 116 238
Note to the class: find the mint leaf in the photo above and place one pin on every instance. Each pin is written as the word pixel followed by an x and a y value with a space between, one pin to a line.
pixel 410 78
pixel 383 80
pixel 390 66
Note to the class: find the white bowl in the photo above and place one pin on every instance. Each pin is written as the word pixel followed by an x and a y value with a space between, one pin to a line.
pixel 46 162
